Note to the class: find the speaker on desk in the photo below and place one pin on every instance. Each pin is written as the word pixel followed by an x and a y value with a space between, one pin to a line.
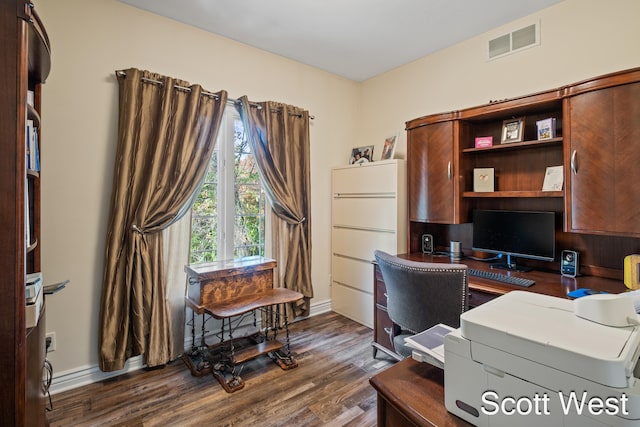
pixel 570 263
pixel 427 244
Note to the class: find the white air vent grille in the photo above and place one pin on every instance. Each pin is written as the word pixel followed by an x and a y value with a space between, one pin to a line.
pixel 514 41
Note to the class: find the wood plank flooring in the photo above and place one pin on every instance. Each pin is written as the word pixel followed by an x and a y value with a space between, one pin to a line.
pixel 330 387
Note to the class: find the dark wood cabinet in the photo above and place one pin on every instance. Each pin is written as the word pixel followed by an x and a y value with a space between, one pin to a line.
pixel 35 405
pixel 597 129
pixel 432 174
pixel 603 154
pixel 24 66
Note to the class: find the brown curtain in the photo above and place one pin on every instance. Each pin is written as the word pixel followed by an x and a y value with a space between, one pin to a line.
pixel 279 138
pixel 166 136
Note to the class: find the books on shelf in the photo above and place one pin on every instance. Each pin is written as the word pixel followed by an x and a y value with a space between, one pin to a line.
pixel 27 217
pixel 428 346
pixel 33 152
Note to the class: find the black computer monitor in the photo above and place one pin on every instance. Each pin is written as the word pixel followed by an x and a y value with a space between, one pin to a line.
pixel 520 234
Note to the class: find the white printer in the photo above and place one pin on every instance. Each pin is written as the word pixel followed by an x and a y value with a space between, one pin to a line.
pixel 526 359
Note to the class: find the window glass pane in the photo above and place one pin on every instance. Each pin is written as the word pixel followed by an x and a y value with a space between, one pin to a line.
pixel 203 239
pixel 249 199
pixel 232 195
pixel 206 201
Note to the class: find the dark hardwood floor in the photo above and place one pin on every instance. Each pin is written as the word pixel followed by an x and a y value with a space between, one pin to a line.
pixel 330 387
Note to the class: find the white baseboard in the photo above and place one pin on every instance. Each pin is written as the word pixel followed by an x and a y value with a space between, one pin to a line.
pixel 73 378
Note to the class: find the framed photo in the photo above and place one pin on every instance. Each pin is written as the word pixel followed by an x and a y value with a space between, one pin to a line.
pixel 546 128
pixel 361 155
pixel 512 130
pixel 389 148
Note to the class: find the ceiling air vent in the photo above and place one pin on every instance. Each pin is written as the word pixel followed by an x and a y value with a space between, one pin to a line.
pixel 514 41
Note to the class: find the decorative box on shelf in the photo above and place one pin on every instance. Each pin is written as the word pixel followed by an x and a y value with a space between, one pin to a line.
pixel 483 180
pixel 483 141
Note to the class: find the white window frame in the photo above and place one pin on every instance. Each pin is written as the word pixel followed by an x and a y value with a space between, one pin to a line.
pixel 225 149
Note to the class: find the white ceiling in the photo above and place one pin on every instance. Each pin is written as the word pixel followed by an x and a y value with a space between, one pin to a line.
pixel 356 39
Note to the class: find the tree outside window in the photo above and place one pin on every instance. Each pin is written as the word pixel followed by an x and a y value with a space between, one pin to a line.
pixel 228 216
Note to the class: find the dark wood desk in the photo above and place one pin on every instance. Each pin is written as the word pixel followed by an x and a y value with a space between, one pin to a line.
pixel 483 290
pixel 411 393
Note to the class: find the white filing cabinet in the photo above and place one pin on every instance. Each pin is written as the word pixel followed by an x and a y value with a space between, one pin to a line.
pixel 368 213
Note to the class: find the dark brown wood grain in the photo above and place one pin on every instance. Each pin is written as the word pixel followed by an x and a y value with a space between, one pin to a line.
pixel 24 65
pixel 412 394
pixel 598 124
pixel 431 175
pixel 604 128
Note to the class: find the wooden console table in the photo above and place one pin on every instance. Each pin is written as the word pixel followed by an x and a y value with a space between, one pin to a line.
pixel 228 289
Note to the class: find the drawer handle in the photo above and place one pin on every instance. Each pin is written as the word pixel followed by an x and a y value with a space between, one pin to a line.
pixel 574 162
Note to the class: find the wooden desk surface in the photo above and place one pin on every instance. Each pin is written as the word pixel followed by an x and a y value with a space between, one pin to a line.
pixel 548 283
pixel 415 390
pixel 411 391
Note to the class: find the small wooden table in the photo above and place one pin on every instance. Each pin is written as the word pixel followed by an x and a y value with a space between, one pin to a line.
pixel 411 393
pixel 228 289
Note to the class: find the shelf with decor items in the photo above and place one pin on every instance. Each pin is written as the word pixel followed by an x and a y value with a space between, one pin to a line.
pixel 25 65
pixel 591 147
pixel 519 167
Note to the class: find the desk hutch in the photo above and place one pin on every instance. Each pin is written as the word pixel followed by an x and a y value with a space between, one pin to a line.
pixel 25 61
pixel 597 142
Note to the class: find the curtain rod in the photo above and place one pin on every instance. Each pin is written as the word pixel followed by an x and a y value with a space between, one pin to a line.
pixel 122 73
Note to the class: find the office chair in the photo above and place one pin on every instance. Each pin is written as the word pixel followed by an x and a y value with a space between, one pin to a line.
pixel 421 295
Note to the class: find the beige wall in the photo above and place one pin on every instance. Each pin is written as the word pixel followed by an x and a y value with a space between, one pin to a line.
pixel 91 39
pixel 579 39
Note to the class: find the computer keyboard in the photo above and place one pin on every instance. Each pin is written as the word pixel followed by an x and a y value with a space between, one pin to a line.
pixel 499 277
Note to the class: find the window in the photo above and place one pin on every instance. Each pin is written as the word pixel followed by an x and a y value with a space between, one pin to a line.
pixel 228 216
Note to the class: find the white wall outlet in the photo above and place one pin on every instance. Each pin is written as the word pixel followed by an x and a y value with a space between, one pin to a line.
pixel 52 345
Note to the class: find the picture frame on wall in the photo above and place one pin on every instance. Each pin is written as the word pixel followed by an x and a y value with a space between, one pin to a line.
pixel 512 130
pixel 389 147
pixel 361 155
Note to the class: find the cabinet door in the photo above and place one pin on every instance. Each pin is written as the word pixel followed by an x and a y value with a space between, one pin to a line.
pixel 430 173
pixel 604 154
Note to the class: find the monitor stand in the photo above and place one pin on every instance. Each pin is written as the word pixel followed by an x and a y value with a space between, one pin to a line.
pixel 510 264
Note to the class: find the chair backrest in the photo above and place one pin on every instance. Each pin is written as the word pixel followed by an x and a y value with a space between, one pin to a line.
pixel 421 294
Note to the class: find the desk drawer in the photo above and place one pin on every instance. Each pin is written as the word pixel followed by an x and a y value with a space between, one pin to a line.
pixel 380 288
pixel 383 324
